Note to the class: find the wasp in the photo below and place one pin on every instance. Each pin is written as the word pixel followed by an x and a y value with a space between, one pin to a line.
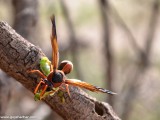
pixel 55 75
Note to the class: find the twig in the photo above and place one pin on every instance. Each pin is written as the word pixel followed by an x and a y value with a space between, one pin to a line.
pixel 152 26
pixel 104 7
pixel 26 17
pixel 72 40
pixel 113 12
pixel 144 60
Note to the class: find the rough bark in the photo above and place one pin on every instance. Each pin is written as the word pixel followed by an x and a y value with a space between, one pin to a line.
pixel 17 55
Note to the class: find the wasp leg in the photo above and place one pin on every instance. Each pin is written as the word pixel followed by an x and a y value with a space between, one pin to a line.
pixel 36 89
pixel 38 73
pixel 42 93
pixel 67 89
pixel 52 92
pixel 62 88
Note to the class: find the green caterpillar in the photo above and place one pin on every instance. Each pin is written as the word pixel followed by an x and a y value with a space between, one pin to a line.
pixel 45 68
pixel 45 65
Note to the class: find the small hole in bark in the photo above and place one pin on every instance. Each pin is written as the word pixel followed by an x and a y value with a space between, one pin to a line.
pixel 99 109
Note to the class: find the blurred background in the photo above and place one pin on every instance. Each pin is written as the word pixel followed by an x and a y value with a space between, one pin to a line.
pixel 113 44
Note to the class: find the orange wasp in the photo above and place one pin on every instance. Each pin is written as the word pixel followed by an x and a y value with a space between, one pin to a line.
pixel 57 75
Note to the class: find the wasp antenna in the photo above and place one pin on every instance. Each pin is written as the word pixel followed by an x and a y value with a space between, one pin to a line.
pixel 105 91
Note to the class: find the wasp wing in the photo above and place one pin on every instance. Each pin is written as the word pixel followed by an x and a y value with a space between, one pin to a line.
pixel 55 53
pixel 79 83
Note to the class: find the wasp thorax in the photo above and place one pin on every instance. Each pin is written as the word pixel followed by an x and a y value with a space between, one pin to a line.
pixel 57 77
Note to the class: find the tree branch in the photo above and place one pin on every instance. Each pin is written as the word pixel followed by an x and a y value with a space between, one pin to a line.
pixel 132 39
pixel 72 40
pixel 18 55
pixel 26 13
pixel 108 51
pixel 140 70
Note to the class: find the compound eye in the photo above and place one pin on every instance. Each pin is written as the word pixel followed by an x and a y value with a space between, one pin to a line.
pixel 66 66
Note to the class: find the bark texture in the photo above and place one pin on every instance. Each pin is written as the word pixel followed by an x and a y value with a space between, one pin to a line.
pixel 17 55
